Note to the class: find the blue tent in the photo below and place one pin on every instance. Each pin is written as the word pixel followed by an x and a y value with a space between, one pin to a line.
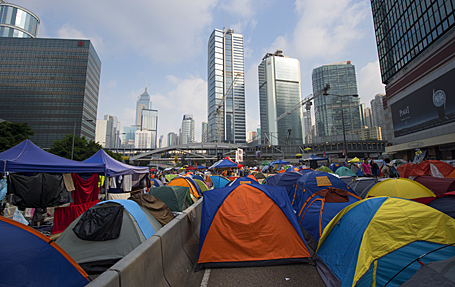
pixel 244 180
pixel 226 163
pixel 280 161
pixel 334 166
pixel 219 181
pixel 31 259
pixel 314 157
pixel 28 157
pixel 201 167
pixel 156 182
pixel 197 176
pixel 114 167
pixel 286 179
pixel 311 183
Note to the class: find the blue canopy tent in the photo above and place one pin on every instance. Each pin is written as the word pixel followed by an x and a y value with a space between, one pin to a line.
pixel 201 167
pixel 28 157
pixel 280 161
pixel 316 158
pixel 225 163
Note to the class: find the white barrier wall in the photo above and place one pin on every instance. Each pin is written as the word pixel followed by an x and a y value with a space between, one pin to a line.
pixel 165 259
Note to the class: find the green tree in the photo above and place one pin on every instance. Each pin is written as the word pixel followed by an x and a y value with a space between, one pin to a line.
pixel 83 148
pixel 12 134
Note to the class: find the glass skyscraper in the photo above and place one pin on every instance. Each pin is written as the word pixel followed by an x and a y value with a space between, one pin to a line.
pixel 143 102
pixel 150 123
pixel 17 22
pixel 226 87
pixel 279 91
pixel 343 84
pixel 187 130
pixel 51 84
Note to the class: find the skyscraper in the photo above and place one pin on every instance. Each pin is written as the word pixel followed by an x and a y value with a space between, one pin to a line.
pixel 172 139
pixel 279 91
pixel 377 111
pixel 149 122
pixel 51 84
pixel 143 102
pixel 204 136
pixel 187 130
pixel 416 44
pixel 17 22
pixel 226 87
pixel 343 84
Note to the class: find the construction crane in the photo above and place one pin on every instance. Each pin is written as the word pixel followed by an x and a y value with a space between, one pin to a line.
pixel 307 102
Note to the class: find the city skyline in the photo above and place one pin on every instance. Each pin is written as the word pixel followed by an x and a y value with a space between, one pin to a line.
pixel 172 59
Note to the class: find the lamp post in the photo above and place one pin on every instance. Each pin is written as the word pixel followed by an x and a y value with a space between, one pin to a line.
pixel 345 145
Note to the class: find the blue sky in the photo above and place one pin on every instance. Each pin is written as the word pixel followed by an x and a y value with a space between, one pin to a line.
pixel 164 44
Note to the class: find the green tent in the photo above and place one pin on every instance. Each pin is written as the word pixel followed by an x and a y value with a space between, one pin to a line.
pixel 169 177
pixel 201 184
pixel 324 168
pixel 265 162
pixel 344 171
pixel 177 198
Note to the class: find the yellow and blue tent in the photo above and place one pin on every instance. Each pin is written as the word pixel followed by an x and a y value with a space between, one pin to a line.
pixel 400 187
pixel 373 241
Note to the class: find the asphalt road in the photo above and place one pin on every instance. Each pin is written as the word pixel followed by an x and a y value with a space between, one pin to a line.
pixel 282 275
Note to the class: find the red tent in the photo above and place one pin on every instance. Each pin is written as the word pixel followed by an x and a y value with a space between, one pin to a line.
pixel 405 169
pixel 191 168
pixel 424 168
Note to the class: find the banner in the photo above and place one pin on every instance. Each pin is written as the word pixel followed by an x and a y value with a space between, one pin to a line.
pixel 239 155
pixel 430 106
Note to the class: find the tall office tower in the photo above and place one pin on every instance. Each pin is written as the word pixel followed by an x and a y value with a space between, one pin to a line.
pixel 160 142
pixel 259 135
pixel 362 115
pixel 51 84
pixel 101 132
pixel 143 139
pixel 17 22
pixel 343 84
pixel 369 117
pixel 279 92
pixel 226 87
pixel 377 110
pixel 149 122
pixel 143 102
pixel 112 131
pixel 171 139
pixel 205 129
pixel 416 44
pixel 187 130
pixel 129 135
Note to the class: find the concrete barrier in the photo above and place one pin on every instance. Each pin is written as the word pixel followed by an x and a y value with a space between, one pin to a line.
pixel 164 260
pixel 109 278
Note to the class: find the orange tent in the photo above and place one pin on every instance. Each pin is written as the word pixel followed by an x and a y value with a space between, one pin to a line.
pixel 405 169
pixel 424 168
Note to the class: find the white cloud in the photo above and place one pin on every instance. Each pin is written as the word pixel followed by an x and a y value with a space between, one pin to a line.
pixel 238 8
pixel 112 84
pixel 369 82
pixel 69 32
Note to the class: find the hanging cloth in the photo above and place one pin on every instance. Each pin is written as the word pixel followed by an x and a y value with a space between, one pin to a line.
pixel 85 190
pixel 63 216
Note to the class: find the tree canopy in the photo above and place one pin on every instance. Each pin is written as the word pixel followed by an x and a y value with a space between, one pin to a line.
pixel 83 148
pixel 12 134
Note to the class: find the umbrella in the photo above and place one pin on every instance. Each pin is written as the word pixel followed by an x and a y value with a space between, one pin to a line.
pixel 398 161
pixel 307 149
pixel 299 155
pixel 265 162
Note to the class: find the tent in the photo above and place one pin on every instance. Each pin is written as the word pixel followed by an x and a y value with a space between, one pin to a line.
pixel 433 168
pixel 201 184
pixel 155 206
pixel 169 177
pixel 438 273
pixel 197 176
pixel 405 169
pixel 334 166
pixel 219 181
pixel 177 198
pixel 346 179
pixel 292 168
pixel 31 259
pixel 370 241
pixel 249 179
pixel 156 182
pixel 280 162
pixel 320 208
pixel 399 187
pixel 259 175
pixel 362 185
pixel 237 230
pixel 225 163
pixel 287 179
pixel 28 157
pixel 265 162
pixel 100 248
pixel 114 167
pixel 195 190
pixel 344 171
pixel 437 185
pixel 310 183
pixel 444 203
pixel 201 167
pixel 190 168
pixel 355 159
pixel 313 157
pixel 324 168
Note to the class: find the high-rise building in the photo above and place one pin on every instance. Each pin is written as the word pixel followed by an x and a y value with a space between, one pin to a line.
pixel 226 87
pixel 149 122
pixel 51 84
pixel 17 22
pixel 143 139
pixel 204 136
pixel 143 102
pixel 369 117
pixel 187 130
pixel 279 92
pixel 343 85
pixel 251 136
pixel 101 132
pixel 362 114
pixel 172 139
pixel 160 142
pixel 129 135
pixel 416 44
pixel 377 110
pixel 107 132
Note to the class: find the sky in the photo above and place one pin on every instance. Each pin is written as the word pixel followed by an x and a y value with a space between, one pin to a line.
pixel 163 45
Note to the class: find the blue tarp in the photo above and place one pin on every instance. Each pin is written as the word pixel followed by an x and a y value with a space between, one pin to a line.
pixel 201 167
pixel 280 161
pixel 225 163
pixel 28 157
pixel 114 167
pixel 314 157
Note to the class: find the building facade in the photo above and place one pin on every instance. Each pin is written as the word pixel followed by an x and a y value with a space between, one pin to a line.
pixel 341 99
pixel 149 122
pixel 51 84
pixel 143 102
pixel 129 135
pixel 416 44
pixel 366 133
pixel 17 22
pixel 226 87
pixel 279 92
pixel 187 130
pixel 172 139
pixel 377 111
pixel 143 139
pixel 205 130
